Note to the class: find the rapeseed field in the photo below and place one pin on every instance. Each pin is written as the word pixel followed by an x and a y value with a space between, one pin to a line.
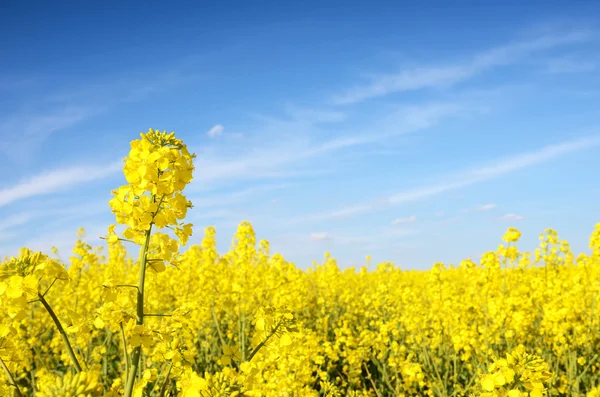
pixel 148 318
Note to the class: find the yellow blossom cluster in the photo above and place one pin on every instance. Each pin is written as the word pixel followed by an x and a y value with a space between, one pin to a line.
pixel 519 374
pixel 110 322
pixel 157 169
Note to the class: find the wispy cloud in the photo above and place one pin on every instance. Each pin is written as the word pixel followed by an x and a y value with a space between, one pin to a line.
pixel 59 213
pixel 54 181
pixel 213 214
pixel 480 208
pixel 257 161
pixel 476 175
pixel 532 158
pixel 570 64
pixel 15 220
pixel 24 133
pixel 320 236
pixel 400 221
pixel 512 217
pixel 216 130
pixel 376 238
pixel 228 198
pixel 314 116
pixel 448 75
pixel 35 120
pixel 63 240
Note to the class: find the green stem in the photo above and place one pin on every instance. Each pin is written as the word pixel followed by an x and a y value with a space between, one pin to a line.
pixel 264 342
pixel 370 378
pixel 120 239
pixel 51 284
pixel 386 379
pixel 137 351
pixel 216 320
pixel 125 355
pixel 126 285
pixel 243 331
pixel 11 380
pixel 62 332
pixel 163 388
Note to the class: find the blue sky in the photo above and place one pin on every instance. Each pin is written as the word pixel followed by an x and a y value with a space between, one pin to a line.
pixel 411 133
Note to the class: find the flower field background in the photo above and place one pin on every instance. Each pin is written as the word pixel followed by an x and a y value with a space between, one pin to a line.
pixel 167 321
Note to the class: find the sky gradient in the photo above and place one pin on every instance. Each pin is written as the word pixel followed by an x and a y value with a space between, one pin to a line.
pixel 411 134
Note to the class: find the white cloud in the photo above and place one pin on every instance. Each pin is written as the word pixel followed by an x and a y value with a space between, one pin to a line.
pixel 440 213
pixel 480 208
pixel 215 130
pixel 314 116
pixel 15 220
pixel 258 162
pixel 448 75
pixel 63 240
pixel 476 175
pixel 54 181
pixel 22 134
pixel 525 160
pixel 570 65
pixel 512 217
pixel 234 197
pixel 320 236
pixel 212 214
pixel 400 221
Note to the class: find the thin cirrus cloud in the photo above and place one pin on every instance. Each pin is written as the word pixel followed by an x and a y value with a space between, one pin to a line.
pixel 274 161
pixel 30 130
pixel 23 133
pixel 400 221
pixel 476 175
pixel 216 130
pixel 481 208
pixel 57 215
pixel 320 236
pixel 512 217
pixel 448 75
pixel 314 116
pixel 570 65
pixel 14 221
pixel 62 240
pixel 54 181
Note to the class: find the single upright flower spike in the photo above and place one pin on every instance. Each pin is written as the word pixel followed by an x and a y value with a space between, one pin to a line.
pixel 158 168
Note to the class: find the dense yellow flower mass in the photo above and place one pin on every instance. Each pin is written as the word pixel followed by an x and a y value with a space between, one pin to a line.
pixel 169 321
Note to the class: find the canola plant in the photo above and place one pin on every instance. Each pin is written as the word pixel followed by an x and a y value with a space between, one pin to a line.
pixel 171 322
